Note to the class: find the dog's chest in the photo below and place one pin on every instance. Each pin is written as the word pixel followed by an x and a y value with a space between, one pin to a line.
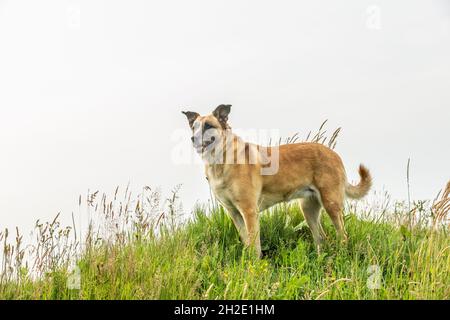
pixel 216 182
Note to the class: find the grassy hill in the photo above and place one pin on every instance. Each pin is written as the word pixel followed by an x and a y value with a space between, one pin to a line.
pixel 203 258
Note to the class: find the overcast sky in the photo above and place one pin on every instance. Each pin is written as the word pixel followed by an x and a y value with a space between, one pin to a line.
pixel 91 91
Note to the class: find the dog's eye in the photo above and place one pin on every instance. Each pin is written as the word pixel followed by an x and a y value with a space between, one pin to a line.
pixel 207 127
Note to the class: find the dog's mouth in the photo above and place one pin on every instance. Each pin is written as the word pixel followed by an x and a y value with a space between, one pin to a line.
pixel 203 147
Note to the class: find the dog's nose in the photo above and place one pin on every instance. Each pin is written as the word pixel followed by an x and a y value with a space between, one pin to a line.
pixel 192 139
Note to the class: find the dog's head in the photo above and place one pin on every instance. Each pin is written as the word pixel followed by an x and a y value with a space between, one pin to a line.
pixel 209 130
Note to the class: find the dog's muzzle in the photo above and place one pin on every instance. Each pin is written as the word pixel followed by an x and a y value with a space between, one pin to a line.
pixel 200 145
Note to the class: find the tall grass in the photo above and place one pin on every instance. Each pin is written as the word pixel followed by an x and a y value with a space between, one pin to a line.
pixel 140 248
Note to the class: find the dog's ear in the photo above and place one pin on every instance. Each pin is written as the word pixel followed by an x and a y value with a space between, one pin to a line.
pixel 221 113
pixel 191 116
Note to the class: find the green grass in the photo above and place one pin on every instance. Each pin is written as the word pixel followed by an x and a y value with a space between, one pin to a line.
pixel 204 259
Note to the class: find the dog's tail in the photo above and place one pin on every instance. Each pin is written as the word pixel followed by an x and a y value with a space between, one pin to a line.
pixel 363 187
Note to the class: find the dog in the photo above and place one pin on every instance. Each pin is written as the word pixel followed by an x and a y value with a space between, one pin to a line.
pixel 307 171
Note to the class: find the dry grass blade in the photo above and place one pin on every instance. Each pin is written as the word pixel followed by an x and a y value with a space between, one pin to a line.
pixel 318 137
pixel 441 207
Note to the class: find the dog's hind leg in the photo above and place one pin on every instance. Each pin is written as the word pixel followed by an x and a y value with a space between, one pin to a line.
pixel 333 202
pixel 311 210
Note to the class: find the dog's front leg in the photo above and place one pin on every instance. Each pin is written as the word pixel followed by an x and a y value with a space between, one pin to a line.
pixel 251 219
pixel 239 223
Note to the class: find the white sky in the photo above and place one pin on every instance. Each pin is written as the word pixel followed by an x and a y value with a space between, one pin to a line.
pixel 91 91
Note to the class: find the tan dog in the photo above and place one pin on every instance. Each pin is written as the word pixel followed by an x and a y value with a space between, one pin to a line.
pixel 307 171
